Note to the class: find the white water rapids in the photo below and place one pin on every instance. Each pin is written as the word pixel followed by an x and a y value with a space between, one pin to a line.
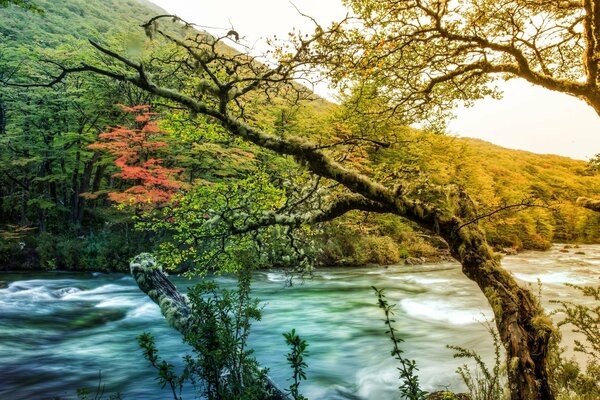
pixel 58 330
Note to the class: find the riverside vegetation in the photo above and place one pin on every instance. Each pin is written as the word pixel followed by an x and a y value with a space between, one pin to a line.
pixel 197 176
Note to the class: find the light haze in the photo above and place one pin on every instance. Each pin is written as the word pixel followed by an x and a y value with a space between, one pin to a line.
pixel 527 118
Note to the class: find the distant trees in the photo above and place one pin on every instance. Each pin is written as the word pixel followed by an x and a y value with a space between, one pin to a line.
pixel 25 4
pixel 45 163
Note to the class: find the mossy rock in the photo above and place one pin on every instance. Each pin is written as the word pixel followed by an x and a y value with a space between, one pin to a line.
pixel 3 285
pixel 96 318
pixel 445 395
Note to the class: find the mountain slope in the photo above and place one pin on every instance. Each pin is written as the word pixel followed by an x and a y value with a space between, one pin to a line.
pixel 78 19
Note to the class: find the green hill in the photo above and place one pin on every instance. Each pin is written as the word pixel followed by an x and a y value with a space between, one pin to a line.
pixel 73 19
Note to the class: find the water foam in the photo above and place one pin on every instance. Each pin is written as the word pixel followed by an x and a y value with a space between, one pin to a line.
pixel 444 311
pixel 553 278
pixel 148 310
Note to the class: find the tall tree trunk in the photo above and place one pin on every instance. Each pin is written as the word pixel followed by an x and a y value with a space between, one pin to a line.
pixel 3 118
pixel 524 328
pixel 75 188
pixel 84 186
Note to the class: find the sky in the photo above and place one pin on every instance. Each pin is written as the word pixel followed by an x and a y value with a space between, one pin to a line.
pixel 527 118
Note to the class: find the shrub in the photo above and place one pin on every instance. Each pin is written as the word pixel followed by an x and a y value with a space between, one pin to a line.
pixel 221 365
pixel 409 381
pixel 378 250
pixel 483 383
pixel 568 379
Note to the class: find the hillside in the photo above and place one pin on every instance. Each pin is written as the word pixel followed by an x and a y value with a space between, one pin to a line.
pixel 497 175
pixel 73 19
pixel 54 209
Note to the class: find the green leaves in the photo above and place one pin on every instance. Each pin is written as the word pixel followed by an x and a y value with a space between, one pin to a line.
pixel 409 386
pixel 296 361
pixel 24 4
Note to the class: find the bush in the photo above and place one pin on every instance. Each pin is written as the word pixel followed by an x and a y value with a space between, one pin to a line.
pixel 46 250
pixel 568 380
pixel 378 250
pixel 221 367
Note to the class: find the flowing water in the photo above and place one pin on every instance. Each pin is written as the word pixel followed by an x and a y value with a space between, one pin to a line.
pixel 58 330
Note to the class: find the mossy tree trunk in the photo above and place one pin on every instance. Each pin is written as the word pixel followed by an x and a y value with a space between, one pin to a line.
pixel 523 326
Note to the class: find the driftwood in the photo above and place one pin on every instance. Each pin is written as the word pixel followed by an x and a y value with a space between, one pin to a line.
pixel 174 306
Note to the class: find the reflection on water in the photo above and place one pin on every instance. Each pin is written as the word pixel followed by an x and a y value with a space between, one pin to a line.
pixel 57 330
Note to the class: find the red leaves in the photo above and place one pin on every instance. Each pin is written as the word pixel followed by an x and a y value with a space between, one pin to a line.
pixel 135 149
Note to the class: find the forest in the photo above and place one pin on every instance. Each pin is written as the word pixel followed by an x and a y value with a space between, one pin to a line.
pixel 132 139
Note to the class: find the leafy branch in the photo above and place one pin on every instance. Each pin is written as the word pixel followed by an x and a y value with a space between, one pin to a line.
pixel 409 387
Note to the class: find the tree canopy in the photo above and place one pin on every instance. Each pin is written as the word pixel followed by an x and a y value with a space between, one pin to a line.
pixel 426 56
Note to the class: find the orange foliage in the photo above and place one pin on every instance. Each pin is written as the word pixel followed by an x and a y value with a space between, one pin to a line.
pixel 135 149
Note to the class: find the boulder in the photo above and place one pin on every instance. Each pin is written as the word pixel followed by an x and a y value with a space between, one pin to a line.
pixel 509 251
pixel 414 260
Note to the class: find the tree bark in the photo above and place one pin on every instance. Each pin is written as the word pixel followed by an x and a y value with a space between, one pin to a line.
pixel 523 326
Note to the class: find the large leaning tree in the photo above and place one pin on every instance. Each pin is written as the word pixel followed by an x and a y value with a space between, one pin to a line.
pixel 418 58
pixel 427 56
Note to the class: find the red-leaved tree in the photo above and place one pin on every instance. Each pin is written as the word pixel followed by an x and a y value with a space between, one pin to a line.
pixel 137 149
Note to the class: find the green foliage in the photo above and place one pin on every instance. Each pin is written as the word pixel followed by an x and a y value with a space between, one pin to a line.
pixel 593 166
pixel 52 182
pixel 108 249
pixel 483 383
pixel 360 238
pixel 222 366
pixel 409 387
pixel 211 225
pixel 24 4
pixel 569 380
pixel 296 360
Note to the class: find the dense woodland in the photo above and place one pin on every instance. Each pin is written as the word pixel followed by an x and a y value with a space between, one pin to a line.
pixel 55 203
pixel 125 132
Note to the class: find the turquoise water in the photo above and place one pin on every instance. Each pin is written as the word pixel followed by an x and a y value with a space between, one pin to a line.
pixel 58 330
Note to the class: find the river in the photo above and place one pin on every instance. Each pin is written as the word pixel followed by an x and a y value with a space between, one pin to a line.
pixel 58 330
